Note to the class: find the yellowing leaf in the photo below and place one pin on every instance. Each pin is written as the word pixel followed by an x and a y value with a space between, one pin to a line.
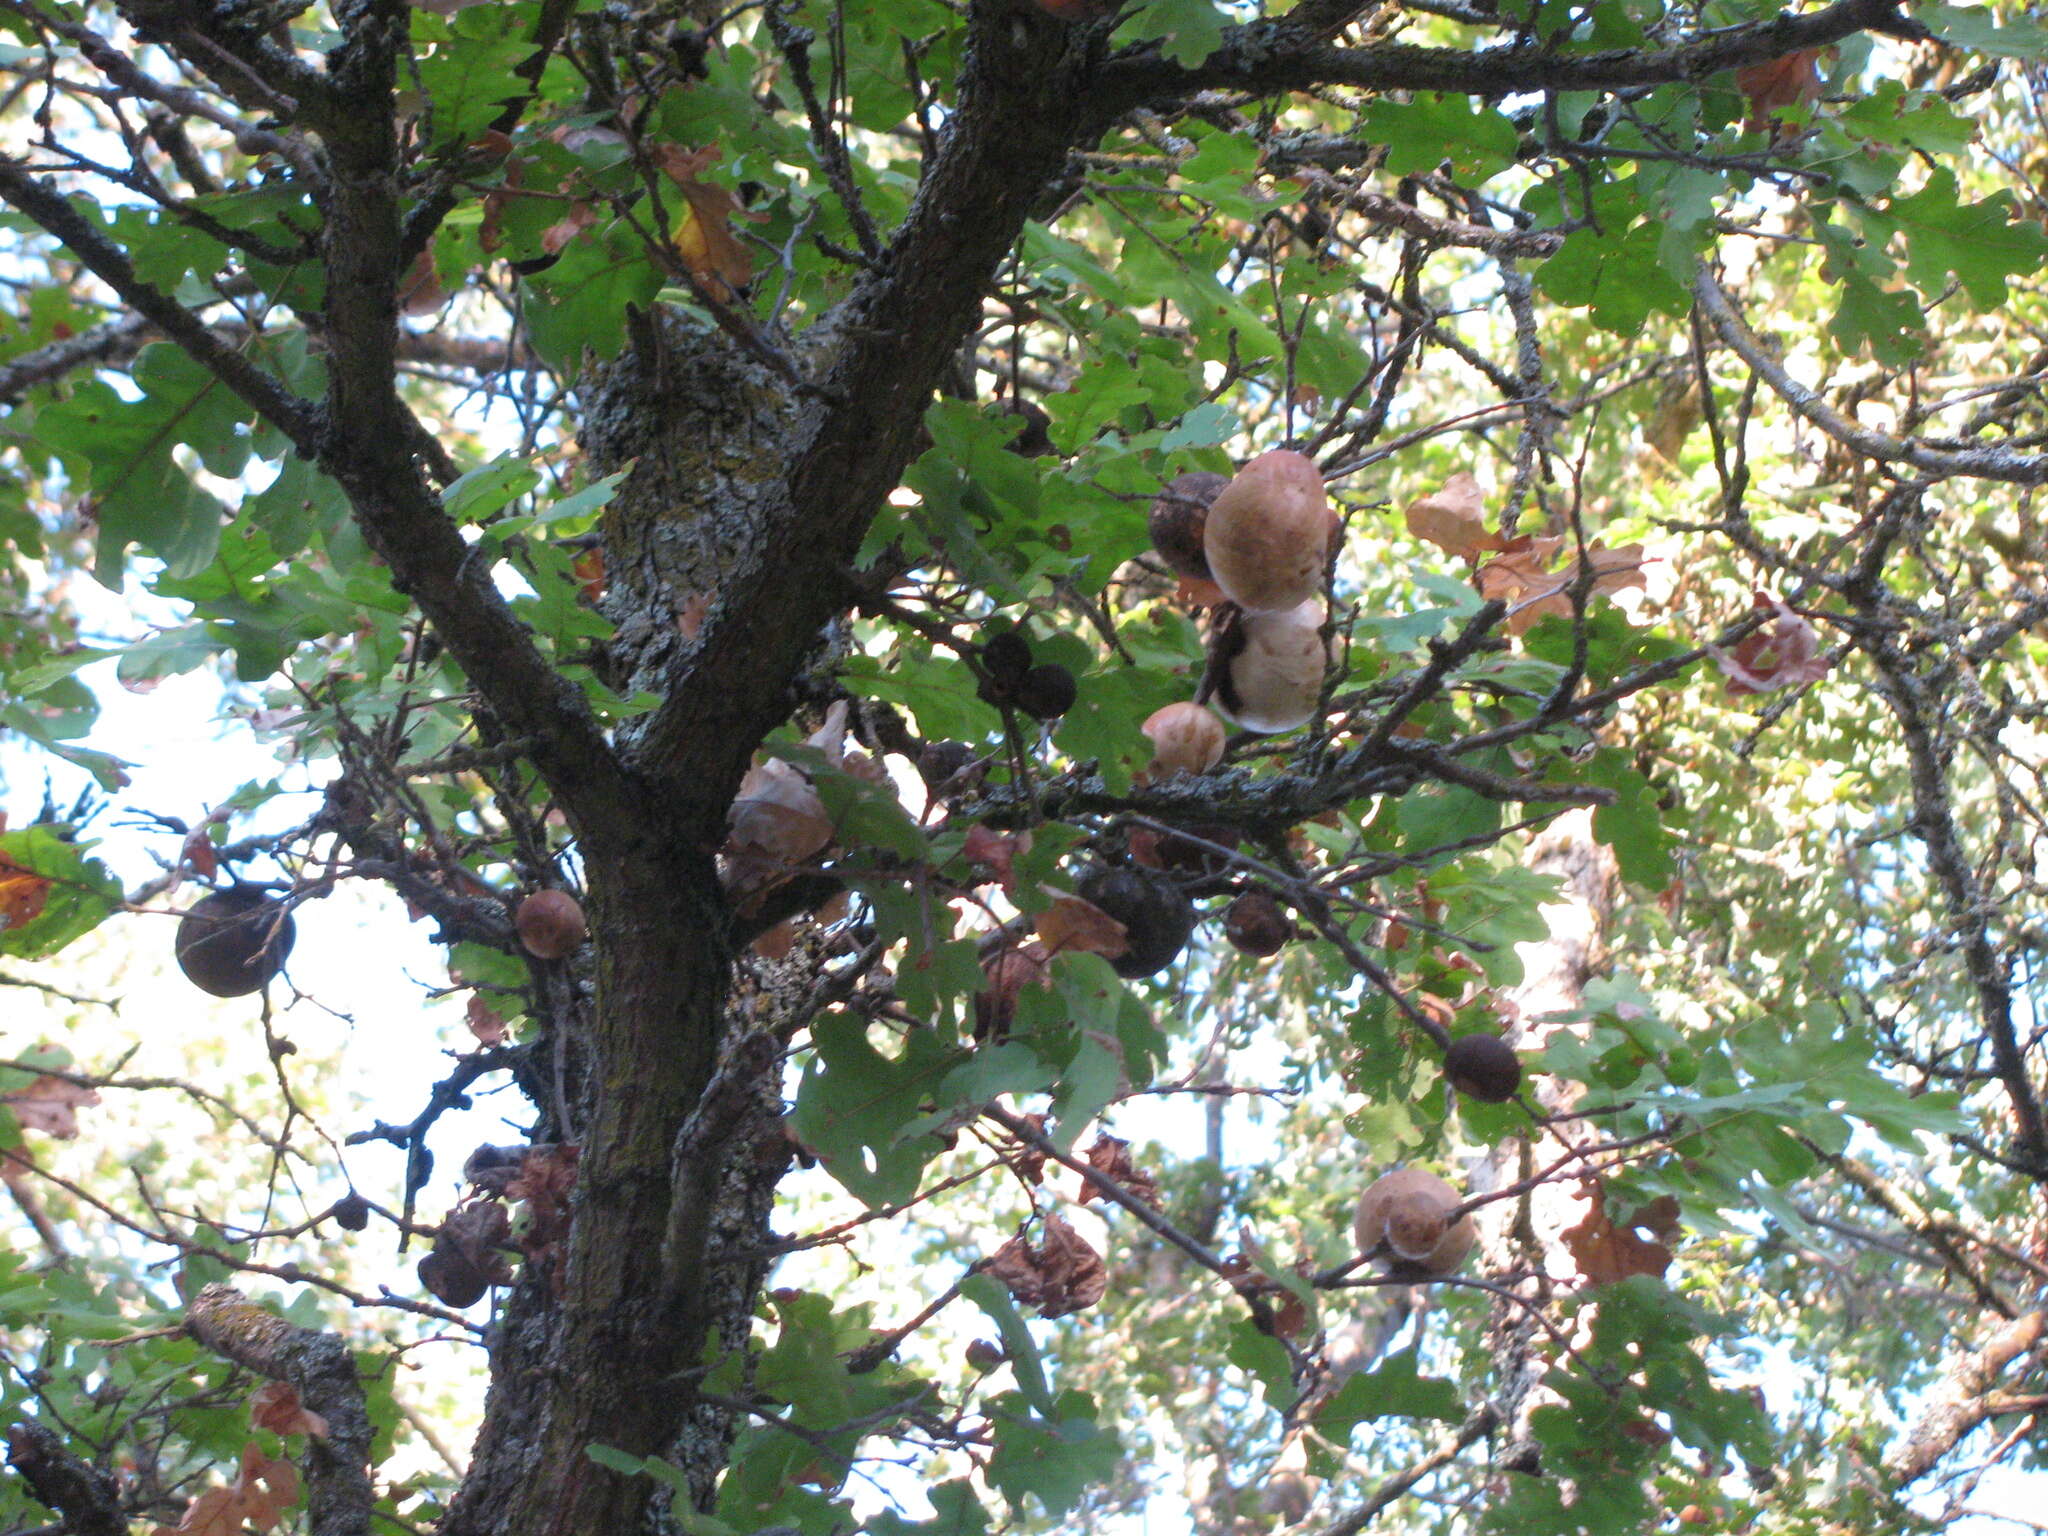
pixel 703 235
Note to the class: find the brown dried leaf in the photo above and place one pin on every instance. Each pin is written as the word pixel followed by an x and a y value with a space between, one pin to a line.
pixel 1779 83
pixel 48 1105
pixel 473 1232
pixel 703 235
pixel 421 291
pixel 777 816
pixel 1074 923
pixel 275 1406
pixel 996 852
pixel 263 1489
pixel 1111 1156
pixel 1521 578
pixel 484 1022
pixel 22 894
pixel 1453 518
pixel 1606 1251
pixel 1781 654
pixel 1029 1163
pixel 197 854
pixel 1289 1311
pixel 1062 1275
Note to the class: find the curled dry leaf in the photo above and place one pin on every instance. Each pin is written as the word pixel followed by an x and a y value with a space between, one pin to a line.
pixel 1453 518
pixel 1606 1250
pixel 464 1261
pixel 1061 1275
pixel 1289 1311
pixel 1029 1163
pixel 1520 577
pixel 1776 84
pixel 421 291
pixel 197 854
pixel 545 1178
pixel 1073 922
pixel 777 816
pixel 1009 972
pixel 275 1406
pixel 49 1105
pixel 1783 653
pixel 1111 1157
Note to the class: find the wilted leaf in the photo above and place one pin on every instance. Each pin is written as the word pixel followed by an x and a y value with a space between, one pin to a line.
pixel 1606 1251
pixel 1062 1275
pixel 1521 577
pixel 1073 923
pixel 197 854
pixel 48 1105
pixel 275 1406
pixel 1782 653
pixel 703 235
pixel 1453 518
pixel 777 816
pixel 1111 1156
pixel 464 1261
pixel 545 1178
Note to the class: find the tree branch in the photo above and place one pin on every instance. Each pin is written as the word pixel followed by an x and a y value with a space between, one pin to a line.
pixel 87 1498
pixel 1991 463
pixel 322 1370
pixel 1964 1400
pixel 264 392
pixel 1270 56
pixel 372 440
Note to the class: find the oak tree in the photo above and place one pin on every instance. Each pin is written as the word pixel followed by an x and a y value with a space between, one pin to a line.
pixel 908 587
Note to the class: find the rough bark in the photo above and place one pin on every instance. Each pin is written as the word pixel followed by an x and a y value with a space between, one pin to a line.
pixel 607 1356
pixel 1964 1399
pixel 87 1498
pixel 321 1368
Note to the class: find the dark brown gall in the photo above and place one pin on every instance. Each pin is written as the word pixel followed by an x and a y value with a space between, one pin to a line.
pixel 232 942
pixel 1157 918
pixel 1177 518
pixel 1255 924
pixel 1483 1067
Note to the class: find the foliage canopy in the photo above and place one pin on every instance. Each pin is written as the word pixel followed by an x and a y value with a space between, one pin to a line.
pixel 687 500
